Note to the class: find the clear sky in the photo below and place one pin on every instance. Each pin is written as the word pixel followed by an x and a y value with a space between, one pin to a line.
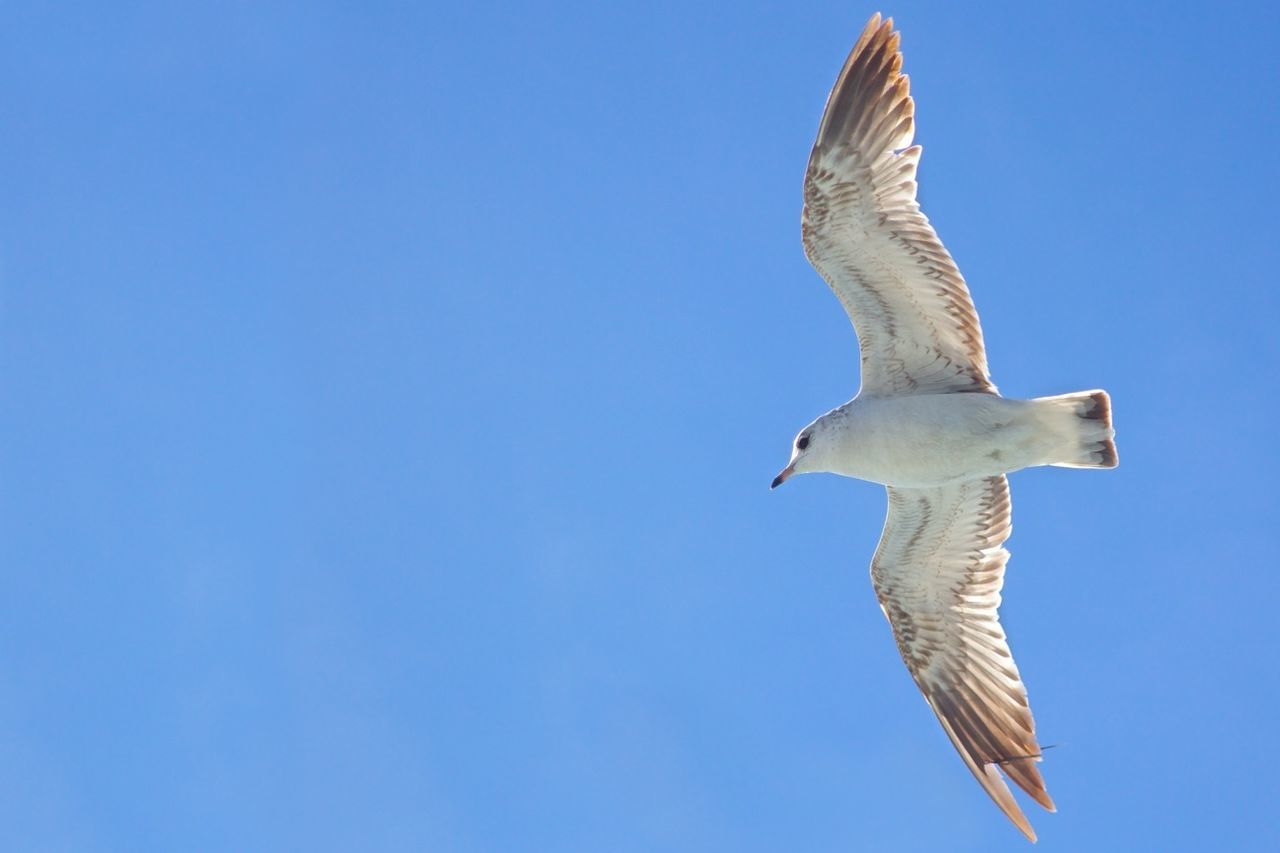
pixel 390 394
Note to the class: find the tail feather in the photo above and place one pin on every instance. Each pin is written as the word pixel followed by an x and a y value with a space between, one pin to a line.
pixel 1084 422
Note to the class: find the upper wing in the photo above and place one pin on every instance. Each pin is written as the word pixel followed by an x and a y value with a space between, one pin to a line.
pixel 864 232
pixel 938 573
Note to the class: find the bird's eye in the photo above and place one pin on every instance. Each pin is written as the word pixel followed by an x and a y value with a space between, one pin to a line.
pixel 802 442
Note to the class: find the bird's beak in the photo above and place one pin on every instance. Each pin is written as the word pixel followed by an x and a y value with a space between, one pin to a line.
pixel 782 478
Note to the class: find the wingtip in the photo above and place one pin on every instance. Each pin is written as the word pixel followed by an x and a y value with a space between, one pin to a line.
pixel 999 791
pixel 1042 797
pixel 874 63
pixel 877 26
pixel 886 24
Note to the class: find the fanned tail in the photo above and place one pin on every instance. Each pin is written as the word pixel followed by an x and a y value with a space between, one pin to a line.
pixel 1083 420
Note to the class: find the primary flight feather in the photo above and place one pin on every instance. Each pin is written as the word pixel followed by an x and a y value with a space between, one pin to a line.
pixel 928 422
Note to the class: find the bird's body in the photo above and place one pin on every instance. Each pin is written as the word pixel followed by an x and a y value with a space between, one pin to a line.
pixel 928 422
pixel 925 440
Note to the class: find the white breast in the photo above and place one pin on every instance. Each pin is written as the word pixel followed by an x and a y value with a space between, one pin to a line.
pixel 933 440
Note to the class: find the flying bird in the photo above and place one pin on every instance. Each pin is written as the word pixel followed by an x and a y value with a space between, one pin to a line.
pixel 928 422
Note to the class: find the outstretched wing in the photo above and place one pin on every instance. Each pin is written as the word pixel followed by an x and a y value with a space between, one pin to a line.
pixel 864 232
pixel 938 573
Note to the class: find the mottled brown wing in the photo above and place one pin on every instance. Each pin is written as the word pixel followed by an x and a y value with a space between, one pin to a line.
pixel 864 232
pixel 938 573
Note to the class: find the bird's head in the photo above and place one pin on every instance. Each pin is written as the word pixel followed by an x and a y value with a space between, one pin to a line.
pixel 808 451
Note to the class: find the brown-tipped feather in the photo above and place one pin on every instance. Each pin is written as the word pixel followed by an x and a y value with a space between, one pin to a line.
pixel 1101 411
pixel 872 64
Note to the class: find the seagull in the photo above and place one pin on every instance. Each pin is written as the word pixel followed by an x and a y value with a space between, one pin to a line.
pixel 928 423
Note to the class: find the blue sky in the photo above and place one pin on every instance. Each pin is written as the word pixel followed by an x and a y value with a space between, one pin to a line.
pixel 391 393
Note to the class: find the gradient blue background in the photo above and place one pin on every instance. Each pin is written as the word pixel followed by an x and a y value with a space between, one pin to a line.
pixel 391 391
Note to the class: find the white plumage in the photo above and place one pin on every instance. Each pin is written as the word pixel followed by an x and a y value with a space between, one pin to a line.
pixel 928 421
